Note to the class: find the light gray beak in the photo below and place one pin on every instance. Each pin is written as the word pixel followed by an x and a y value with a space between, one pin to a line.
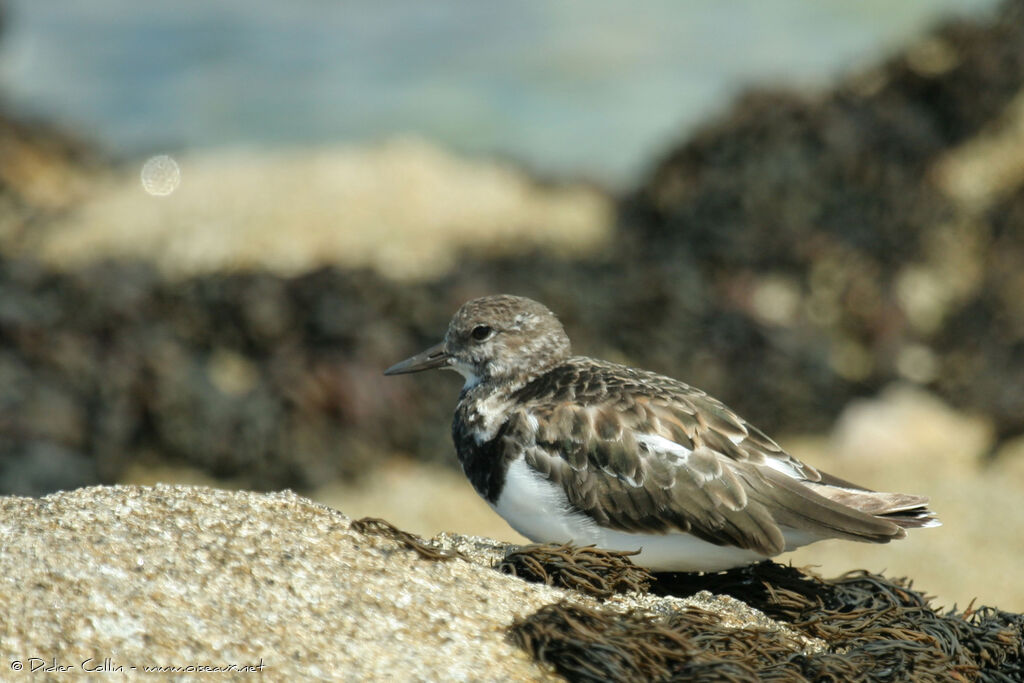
pixel 434 357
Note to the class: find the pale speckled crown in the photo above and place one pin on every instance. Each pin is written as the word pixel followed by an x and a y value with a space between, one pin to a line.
pixel 526 338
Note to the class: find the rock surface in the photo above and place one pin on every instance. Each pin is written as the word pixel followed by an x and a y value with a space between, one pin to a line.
pixel 43 173
pixel 405 208
pixel 179 576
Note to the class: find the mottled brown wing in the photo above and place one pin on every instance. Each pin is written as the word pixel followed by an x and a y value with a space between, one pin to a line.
pixel 662 456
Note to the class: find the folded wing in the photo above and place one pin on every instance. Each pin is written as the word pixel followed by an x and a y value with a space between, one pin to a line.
pixel 675 459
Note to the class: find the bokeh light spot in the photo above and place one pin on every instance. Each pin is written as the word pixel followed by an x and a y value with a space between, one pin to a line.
pixel 160 175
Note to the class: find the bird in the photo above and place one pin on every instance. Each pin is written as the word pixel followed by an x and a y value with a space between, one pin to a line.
pixel 571 449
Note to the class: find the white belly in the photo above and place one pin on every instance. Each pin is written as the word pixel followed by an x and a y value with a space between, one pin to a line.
pixel 539 510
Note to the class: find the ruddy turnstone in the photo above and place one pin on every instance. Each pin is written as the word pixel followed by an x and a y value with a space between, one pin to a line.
pixel 569 448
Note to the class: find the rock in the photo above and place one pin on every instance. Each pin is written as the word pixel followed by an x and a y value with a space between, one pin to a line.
pixel 180 576
pixel 118 579
pixel 903 423
pixel 44 171
pixel 406 208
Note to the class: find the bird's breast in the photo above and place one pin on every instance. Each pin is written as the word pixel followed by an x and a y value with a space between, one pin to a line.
pixel 483 454
pixel 539 509
pixel 482 417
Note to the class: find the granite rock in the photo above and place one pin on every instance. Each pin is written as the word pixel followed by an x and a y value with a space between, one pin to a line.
pixel 190 577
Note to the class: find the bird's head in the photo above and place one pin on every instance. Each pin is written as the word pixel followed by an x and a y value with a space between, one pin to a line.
pixel 498 339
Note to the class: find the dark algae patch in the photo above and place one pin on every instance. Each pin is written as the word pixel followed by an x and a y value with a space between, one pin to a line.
pixel 590 645
pixel 600 573
pixel 875 629
pixel 380 527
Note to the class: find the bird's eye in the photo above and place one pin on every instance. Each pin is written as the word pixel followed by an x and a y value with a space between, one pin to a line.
pixel 481 332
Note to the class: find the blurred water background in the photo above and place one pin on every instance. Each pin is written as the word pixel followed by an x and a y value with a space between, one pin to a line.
pixel 570 88
pixel 814 211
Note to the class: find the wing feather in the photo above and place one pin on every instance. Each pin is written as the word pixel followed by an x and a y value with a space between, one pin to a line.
pixel 656 455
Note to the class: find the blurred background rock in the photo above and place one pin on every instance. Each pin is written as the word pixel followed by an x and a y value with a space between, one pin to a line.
pixel 838 254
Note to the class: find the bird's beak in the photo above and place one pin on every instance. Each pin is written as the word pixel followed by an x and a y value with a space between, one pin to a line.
pixel 434 357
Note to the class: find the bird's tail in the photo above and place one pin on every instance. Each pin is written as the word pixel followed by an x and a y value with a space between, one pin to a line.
pixel 903 509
